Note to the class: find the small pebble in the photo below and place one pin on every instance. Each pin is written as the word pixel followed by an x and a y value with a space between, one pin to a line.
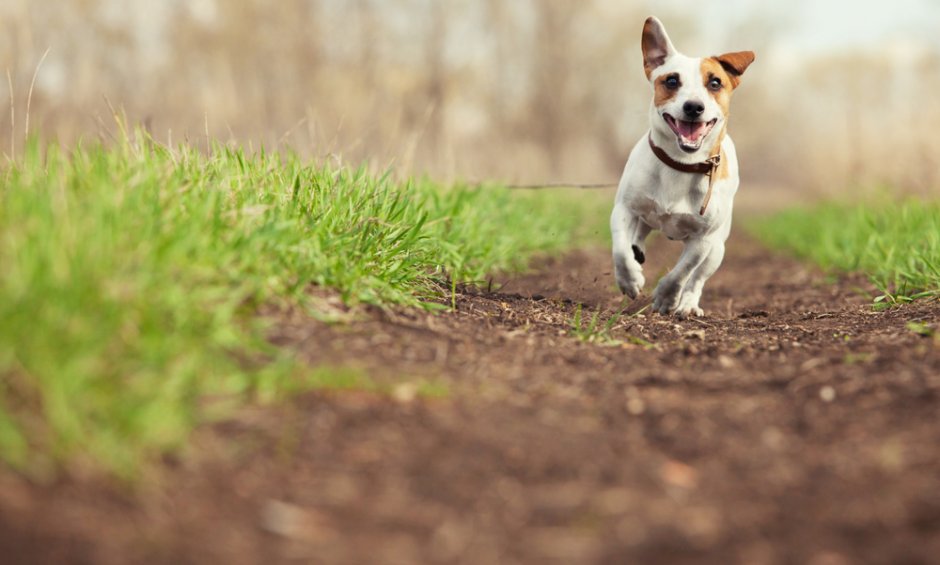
pixel 827 394
pixel 636 406
pixel 405 392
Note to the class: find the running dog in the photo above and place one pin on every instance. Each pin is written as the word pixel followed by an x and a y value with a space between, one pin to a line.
pixel 681 177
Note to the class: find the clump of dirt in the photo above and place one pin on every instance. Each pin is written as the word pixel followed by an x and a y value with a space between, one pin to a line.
pixel 792 424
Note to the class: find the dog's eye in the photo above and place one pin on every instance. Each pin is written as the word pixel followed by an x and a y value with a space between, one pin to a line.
pixel 714 84
pixel 672 82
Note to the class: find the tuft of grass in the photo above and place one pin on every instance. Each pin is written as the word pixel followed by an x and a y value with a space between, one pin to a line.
pixel 131 276
pixel 593 330
pixel 896 244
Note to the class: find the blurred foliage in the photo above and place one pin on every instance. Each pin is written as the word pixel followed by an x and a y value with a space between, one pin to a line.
pixel 897 244
pixel 536 90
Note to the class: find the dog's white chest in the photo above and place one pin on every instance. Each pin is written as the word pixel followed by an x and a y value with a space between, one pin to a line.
pixel 676 223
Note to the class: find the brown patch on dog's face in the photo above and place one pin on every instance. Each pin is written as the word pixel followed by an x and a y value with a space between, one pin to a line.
pixel 718 83
pixel 726 70
pixel 720 76
pixel 666 88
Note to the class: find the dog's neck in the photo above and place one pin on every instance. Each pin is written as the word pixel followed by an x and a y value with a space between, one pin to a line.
pixel 708 166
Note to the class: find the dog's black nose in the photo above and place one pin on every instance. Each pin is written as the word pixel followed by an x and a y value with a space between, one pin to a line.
pixel 693 108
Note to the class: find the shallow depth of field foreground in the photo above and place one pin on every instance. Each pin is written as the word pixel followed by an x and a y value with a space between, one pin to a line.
pixel 260 306
pixel 180 393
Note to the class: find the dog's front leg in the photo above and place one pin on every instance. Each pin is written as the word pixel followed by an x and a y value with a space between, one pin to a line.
pixel 669 290
pixel 629 236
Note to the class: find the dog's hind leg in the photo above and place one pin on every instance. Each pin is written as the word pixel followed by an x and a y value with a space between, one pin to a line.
pixel 692 293
pixel 629 250
pixel 670 288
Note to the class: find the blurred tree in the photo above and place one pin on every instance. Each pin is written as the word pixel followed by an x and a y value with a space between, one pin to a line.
pixel 438 78
pixel 550 97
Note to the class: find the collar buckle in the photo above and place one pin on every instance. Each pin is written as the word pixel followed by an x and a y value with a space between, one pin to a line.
pixel 713 162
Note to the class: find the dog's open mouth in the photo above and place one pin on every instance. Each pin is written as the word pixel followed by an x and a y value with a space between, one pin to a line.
pixel 690 134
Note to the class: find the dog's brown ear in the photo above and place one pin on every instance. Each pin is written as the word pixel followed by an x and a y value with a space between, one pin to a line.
pixel 735 64
pixel 656 45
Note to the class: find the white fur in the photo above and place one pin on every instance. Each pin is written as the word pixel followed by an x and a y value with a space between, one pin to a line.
pixel 654 196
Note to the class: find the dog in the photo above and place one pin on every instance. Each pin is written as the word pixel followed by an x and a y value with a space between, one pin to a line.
pixel 681 177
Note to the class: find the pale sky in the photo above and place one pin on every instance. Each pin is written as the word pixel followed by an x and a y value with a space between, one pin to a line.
pixel 816 26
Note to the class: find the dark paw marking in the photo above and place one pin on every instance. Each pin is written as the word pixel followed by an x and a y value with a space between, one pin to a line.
pixel 638 255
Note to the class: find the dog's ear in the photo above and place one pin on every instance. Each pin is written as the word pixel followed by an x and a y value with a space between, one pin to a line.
pixel 735 64
pixel 656 45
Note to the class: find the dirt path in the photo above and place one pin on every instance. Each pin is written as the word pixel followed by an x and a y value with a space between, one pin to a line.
pixel 791 425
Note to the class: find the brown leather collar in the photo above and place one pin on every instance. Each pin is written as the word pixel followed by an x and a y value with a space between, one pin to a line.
pixel 706 167
pixel 703 168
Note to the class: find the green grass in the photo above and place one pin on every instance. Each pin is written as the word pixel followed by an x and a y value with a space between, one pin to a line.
pixel 592 330
pixel 132 275
pixel 897 244
pixel 596 330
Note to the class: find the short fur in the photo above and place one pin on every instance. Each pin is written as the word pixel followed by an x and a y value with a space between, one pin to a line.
pixel 654 196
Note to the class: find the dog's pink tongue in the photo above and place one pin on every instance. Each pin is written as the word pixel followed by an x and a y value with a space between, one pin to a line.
pixel 691 130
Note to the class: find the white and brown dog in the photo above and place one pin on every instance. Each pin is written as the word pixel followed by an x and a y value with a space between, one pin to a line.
pixel 681 177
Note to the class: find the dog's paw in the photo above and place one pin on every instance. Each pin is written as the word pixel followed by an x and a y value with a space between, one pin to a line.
pixel 688 306
pixel 666 297
pixel 686 312
pixel 629 282
pixel 632 289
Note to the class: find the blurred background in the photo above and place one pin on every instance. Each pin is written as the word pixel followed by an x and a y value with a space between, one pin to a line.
pixel 844 94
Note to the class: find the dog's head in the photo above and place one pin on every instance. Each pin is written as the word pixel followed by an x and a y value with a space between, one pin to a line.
pixel 691 96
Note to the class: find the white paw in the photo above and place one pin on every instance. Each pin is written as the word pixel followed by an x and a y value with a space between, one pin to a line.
pixel 629 282
pixel 688 306
pixel 631 288
pixel 684 312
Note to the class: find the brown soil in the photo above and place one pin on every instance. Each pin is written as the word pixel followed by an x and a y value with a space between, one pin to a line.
pixel 793 424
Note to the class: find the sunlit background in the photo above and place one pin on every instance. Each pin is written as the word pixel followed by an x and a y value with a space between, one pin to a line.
pixel 843 95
